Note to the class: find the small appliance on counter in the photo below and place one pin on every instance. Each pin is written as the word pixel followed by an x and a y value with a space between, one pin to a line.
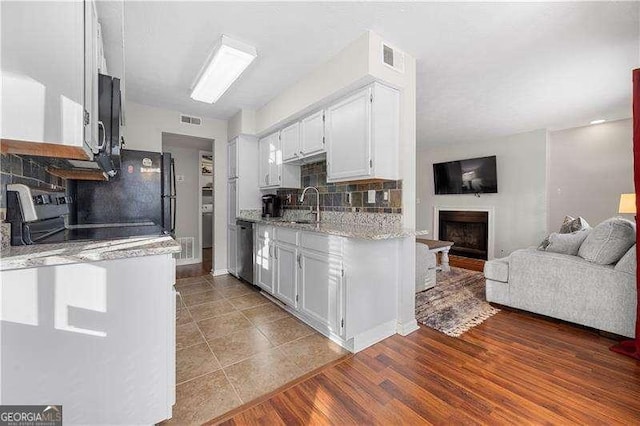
pixel 271 206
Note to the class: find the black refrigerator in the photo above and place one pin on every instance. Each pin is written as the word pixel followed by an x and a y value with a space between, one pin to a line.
pixel 143 192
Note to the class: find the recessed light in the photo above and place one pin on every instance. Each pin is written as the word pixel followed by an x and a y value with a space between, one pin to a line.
pixel 598 121
pixel 228 60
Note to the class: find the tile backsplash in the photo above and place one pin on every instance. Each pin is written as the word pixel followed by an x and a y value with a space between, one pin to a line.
pixel 333 196
pixel 17 169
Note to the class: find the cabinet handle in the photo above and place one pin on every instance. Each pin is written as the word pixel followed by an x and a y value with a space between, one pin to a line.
pixel 266 179
pixel 270 254
pixel 299 262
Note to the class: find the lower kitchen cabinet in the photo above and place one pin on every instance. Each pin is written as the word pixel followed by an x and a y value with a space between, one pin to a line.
pixel 264 274
pixel 320 279
pixel 286 288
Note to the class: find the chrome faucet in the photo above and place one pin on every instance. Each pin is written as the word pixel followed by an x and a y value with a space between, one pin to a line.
pixel 317 212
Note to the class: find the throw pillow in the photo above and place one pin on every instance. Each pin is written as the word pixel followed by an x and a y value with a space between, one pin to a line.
pixel 567 243
pixel 570 224
pixel 628 262
pixel 608 241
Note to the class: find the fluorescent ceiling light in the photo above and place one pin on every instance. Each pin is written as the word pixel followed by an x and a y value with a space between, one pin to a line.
pixel 225 64
pixel 598 121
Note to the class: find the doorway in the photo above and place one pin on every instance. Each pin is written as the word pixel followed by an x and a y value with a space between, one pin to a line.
pixel 194 199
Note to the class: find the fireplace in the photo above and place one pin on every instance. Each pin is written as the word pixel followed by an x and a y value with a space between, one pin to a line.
pixel 469 231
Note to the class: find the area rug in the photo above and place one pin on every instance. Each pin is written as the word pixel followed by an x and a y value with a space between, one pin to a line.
pixel 456 304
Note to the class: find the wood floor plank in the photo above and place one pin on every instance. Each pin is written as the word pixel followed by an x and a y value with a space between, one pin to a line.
pixel 512 369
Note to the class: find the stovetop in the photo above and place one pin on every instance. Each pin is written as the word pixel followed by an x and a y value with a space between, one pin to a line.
pixel 102 232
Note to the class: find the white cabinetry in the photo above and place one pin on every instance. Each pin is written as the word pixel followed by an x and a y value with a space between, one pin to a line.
pixel 264 258
pixel 242 191
pixel 362 135
pixel 286 288
pixel 274 174
pixel 43 74
pixel 290 141
pixel 312 140
pixel 93 336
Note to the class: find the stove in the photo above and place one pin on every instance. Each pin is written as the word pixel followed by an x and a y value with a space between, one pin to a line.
pixel 40 216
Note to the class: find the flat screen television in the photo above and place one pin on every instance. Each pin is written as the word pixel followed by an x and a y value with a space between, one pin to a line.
pixel 472 176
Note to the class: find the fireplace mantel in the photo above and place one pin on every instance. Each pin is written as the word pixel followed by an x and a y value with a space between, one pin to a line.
pixel 491 231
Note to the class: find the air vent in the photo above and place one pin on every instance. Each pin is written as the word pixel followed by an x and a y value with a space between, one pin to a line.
pixel 393 58
pixel 185 119
pixel 187 245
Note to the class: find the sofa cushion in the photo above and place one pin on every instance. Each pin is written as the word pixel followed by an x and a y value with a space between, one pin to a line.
pixel 567 243
pixel 497 269
pixel 608 241
pixel 628 262
pixel 571 224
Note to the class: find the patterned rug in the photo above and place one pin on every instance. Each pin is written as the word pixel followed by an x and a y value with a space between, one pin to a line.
pixel 456 304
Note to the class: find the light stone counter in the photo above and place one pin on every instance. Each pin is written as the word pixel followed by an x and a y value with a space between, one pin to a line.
pixel 31 256
pixel 342 229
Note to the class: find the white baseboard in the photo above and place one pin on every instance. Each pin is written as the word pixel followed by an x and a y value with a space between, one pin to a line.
pixel 180 262
pixel 408 327
pixel 218 272
pixel 373 336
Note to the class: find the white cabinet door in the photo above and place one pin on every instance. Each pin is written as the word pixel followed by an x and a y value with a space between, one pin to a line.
pixel 286 269
pixel 312 134
pixel 263 162
pixel 232 159
pixel 232 201
pixel 320 283
pixel 43 73
pixel 275 160
pixel 91 62
pixel 264 264
pixel 290 142
pixel 232 253
pixel 348 133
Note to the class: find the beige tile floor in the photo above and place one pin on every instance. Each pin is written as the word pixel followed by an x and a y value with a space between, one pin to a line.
pixel 234 345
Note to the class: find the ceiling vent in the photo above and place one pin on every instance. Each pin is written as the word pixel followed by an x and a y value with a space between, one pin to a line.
pixel 393 58
pixel 185 119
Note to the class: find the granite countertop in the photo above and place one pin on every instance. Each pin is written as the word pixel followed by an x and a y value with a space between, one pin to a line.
pixel 31 256
pixel 349 230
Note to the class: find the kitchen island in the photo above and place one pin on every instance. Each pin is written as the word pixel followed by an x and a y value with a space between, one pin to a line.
pixel 347 280
pixel 90 325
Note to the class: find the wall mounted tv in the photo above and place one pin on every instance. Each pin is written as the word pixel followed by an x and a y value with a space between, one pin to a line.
pixel 472 176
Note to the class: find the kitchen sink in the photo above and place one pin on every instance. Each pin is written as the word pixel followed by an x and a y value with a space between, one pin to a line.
pixel 302 222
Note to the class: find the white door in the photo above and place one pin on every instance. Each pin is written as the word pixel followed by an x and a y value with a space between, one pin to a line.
pixel 312 134
pixel 232 255
pixel 232 201
pixel 263 163
pixel 320 283
pixel 264 264
pixel 232 159
pixel 348 133
pixel 286 288
pixel 275 160
pixel 290 142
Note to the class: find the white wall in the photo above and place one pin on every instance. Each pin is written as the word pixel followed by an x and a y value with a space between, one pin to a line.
pixel 589 167
pixel 520 205
pixel 244 122
pixel 187 200
pixel 143 131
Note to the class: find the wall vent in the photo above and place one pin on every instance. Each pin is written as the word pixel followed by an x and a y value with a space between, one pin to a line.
pixel 188 248
pixel 392 57
pixel 185 119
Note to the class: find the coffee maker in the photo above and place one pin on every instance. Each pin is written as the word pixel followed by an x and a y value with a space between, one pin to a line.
pixel 271 206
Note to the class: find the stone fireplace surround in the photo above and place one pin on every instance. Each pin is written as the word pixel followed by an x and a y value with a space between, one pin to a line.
pixel 490 234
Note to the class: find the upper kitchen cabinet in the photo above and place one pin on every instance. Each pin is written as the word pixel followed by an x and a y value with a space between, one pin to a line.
pixel 304 141
pixel 273 173
pixel 290 142
pixel 50 78
pixel 362 134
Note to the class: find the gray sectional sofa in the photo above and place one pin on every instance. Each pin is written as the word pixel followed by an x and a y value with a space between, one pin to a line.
pixel 575 288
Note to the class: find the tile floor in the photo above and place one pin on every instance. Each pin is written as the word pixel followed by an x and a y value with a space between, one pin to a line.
pixel 234 345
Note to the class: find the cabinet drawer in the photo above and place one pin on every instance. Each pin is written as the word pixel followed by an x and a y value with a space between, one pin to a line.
pixel 288 236
pixel 265 231
pixel 321 242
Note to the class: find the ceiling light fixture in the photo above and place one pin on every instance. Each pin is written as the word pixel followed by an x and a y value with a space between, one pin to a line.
pixel 228 60
pixel 598 121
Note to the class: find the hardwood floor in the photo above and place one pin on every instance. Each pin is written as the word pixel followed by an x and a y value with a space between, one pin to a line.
pixel 515 368
pixel 197 269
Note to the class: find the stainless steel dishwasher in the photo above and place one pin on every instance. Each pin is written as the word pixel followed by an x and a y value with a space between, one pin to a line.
pixel 245 250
